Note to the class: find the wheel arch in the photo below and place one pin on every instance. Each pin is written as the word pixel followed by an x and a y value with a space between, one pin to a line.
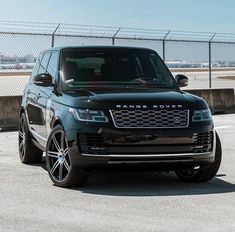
pixel 55 122
pixel 22 110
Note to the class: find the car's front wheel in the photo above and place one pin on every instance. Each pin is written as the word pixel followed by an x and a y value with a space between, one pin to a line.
pixel 60 166
pixel 204 173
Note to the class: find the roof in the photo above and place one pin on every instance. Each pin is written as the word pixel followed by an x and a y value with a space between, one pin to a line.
pixel 97 48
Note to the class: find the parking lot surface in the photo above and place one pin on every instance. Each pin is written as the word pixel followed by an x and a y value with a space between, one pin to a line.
pixel 117 201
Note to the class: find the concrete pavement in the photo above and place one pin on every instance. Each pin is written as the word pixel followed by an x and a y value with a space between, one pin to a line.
pixel 117 201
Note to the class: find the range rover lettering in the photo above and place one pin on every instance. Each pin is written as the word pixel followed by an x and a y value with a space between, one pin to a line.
pixel 94 108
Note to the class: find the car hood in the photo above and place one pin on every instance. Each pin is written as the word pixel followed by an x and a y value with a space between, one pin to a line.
pixel 111 98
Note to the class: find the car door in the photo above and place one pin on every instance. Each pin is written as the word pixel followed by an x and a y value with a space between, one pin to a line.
pixel 31 93
pixel 36 110
pixel 44 98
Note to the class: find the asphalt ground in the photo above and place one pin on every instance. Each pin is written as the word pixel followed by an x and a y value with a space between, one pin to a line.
pixel 117 201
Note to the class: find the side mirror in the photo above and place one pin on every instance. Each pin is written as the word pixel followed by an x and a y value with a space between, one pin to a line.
pixel 182 80
pixel 44 79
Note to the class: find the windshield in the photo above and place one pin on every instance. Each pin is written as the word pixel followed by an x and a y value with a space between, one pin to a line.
pixel 124 68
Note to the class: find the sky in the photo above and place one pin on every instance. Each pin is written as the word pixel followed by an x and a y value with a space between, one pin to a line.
pixel 193 15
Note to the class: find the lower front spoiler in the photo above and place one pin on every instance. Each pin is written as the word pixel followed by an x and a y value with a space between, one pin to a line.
pixel 193 155
pixel 145 162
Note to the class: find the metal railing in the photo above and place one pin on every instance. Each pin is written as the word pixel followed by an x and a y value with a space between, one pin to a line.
pixel 22 41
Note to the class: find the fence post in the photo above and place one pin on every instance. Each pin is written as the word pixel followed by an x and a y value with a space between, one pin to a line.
pixel 164 46
pixel 53 36
pixel 210 63
pixel 113 38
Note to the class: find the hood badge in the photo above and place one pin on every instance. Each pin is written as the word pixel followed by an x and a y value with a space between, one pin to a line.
pixel 137 107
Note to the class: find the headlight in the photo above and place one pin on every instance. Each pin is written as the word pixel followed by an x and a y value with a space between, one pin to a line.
pixel 201 115
pixel 88 115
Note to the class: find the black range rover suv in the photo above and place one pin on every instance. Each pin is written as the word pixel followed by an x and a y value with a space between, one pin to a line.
pixel 91 108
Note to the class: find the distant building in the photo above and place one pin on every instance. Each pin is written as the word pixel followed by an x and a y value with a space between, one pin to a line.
pixel 17 59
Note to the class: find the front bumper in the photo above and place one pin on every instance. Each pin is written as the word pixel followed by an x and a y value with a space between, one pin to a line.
pixel 151 148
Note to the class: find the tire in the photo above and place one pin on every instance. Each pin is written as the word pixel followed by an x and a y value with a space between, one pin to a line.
pixel 28 152
pixel 204 173
pixel 60 165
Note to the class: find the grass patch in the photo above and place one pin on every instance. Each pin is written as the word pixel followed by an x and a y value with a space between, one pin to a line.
pixel 227 78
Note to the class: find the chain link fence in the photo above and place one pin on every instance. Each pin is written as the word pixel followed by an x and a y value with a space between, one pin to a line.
pixel 208 59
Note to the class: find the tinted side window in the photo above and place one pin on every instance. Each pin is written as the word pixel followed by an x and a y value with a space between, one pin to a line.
pixel 52 67
pixel 44 62
pixel 36 66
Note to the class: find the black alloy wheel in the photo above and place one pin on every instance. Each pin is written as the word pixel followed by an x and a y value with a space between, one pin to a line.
pixel 203 173
pixel 59 163
pixel 28 152
pixel 21 139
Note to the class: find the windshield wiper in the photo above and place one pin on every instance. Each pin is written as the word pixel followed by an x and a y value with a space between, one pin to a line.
pixel 152 82
pixel 146 80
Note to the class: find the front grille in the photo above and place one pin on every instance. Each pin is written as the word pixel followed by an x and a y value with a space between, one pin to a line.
pixel 202 141
pixel 150 118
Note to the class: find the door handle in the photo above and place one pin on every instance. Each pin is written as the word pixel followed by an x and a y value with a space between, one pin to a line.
pixel 37 97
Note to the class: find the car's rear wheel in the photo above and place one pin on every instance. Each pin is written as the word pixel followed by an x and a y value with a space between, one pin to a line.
pixel 203 173
pixel 60 166
pixel 28 152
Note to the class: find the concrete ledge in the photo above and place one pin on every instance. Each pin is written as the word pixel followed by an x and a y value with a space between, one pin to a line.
pixel 219 100
pixel 9 112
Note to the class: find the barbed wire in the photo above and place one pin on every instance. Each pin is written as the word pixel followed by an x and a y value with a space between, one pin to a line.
pixel 96 31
